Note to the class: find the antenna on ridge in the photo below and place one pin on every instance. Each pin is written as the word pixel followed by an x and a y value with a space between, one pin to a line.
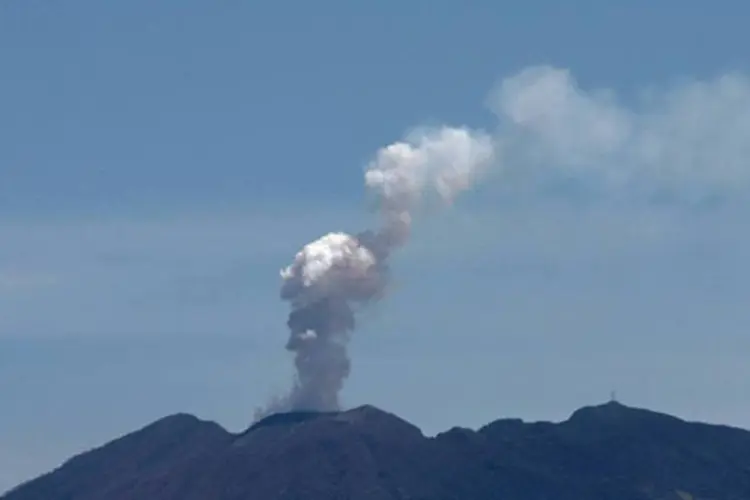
pixel 613 397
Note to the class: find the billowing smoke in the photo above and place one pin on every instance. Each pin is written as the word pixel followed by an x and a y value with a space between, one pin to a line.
pixel 689 140
pixel 334 274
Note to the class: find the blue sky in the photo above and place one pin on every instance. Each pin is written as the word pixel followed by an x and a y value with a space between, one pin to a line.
pixel 161 161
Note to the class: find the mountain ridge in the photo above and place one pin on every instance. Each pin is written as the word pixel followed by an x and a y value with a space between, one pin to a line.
pixel 601 452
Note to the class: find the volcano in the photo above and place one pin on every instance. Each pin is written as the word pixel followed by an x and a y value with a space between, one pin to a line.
pixel 605 452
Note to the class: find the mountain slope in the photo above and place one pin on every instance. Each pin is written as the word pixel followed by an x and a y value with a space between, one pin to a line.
pixel 608 452
pixel 127 463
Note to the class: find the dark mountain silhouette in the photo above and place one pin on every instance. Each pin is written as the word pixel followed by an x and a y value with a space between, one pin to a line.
pixel 607 452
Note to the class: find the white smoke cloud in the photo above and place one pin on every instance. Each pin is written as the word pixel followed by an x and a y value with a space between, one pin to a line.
pixel 690 140
pixel 447 160
pixel 335 264
pixel 444 162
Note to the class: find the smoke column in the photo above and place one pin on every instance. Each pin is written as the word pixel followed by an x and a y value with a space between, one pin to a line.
pixel 332 275
pixel 686 141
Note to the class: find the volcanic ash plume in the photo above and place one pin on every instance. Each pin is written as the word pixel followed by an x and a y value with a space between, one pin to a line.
pixel 331 275
pixel 685 141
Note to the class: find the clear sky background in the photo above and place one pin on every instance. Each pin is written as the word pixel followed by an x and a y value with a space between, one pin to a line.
pixel 160 161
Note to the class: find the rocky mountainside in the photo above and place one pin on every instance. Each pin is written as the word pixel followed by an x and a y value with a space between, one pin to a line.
pixel 607 452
